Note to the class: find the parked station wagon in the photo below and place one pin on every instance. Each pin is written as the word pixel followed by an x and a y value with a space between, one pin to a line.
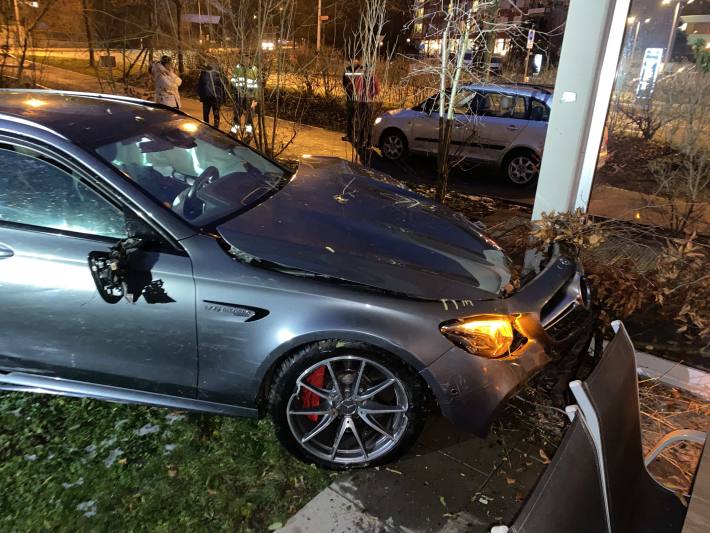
pixel 147 257
pixel 500 124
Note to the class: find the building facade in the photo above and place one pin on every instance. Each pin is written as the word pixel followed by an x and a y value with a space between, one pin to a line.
pixel 546 16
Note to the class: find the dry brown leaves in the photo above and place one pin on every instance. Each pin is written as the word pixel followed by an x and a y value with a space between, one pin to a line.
pixel 665 409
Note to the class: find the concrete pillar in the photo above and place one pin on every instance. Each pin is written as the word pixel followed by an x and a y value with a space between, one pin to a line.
pixel 590 55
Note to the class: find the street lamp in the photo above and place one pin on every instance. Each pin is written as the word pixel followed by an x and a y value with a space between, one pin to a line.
pixel 631 20
pixel 318 30
pixel 671 37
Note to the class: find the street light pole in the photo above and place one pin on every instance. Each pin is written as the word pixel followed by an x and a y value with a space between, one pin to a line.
pixel 16 6
pixel 318 27
pixel 636 38
pixel 671 38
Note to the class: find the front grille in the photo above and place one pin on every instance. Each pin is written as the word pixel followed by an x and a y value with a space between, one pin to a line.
pixel 569 323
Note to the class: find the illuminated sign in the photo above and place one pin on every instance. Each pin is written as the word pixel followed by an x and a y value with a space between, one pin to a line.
pixel 650 68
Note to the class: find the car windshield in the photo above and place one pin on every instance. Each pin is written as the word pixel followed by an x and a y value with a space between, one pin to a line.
pixel 198 172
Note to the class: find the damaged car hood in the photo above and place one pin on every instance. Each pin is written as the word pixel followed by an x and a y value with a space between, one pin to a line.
pixel 340 220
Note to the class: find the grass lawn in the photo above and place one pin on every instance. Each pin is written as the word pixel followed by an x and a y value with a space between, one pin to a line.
pixel 79 465
pixel 82 65
pixel 69 63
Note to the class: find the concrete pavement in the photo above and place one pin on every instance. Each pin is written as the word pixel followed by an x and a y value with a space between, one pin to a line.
pixel 448 483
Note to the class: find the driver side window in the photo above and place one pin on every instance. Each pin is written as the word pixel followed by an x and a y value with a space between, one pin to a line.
pixel 37 191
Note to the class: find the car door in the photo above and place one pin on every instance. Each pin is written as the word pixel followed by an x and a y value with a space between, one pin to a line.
pixel 425 128
pixel 464 133
pixel 53 215
pixel 503 118
pixel 424 135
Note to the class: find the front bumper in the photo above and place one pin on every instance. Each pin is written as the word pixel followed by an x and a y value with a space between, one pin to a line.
pixel 471 389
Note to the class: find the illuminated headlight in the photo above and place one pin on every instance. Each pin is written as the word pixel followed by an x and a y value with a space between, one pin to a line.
pixel 485 335
pixel 378 120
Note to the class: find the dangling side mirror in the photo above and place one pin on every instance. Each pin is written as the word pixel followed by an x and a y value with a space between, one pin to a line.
pixel 110 270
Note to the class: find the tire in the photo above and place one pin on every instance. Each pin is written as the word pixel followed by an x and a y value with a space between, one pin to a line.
pixel 522 167
pixel 394 145
pixel 309 414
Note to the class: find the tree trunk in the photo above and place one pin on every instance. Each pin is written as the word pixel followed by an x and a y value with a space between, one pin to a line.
pixel 23 57
pixel 181 62
pixel 445 128
pixel 89 36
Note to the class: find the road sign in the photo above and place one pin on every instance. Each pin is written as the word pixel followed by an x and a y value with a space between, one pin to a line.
pixel 531 39
pixel 324 18
pixel 107 61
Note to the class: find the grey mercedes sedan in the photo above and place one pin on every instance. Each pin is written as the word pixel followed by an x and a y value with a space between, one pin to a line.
pixel 146 257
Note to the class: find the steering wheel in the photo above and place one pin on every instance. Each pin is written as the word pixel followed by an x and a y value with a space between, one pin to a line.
pixel 192 205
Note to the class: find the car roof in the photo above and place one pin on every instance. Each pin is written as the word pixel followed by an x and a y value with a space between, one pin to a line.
pixel 85 118
pixel 541 92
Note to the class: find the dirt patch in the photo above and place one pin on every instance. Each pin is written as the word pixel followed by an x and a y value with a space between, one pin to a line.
pixel 628 164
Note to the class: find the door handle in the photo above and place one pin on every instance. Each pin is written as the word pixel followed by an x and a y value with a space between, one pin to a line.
pixel 5 251
pixel 512 128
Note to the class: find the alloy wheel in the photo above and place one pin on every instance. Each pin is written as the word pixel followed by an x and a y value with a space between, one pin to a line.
pixel 348 410
pixel 522 169
pixel 393 146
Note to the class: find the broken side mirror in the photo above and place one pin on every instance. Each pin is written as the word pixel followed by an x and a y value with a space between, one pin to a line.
pixel 111 270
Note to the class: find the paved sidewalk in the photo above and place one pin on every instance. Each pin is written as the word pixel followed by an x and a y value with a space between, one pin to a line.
pixel 308 140
pixel 449 483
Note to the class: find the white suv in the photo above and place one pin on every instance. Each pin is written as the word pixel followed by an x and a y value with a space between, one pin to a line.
pixel 505 125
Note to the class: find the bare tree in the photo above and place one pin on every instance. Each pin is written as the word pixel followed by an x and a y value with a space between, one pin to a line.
pixel 683 177
pixel 463 31
pixel 364 44
pixel 89 34
pixel 648 115
pixel 262 32
pixel 29 23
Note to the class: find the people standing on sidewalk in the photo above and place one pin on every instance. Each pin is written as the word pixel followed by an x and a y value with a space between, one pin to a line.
pixel 367 88
pixel 165 82
pixel 245 85
pixel 352 72
pixel 210 89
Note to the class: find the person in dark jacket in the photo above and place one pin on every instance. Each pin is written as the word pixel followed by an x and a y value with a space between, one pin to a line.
pixel 352 72
pixel 211 90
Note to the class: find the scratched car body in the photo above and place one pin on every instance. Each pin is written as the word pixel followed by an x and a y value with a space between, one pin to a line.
pixel 146 257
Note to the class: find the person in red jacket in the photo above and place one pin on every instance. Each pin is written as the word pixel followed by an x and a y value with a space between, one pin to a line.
pixel 367 89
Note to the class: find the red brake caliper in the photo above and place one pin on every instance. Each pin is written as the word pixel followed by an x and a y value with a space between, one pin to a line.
pixel 317 379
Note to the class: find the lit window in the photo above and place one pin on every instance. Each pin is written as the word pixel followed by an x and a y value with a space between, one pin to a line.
pixel 501 46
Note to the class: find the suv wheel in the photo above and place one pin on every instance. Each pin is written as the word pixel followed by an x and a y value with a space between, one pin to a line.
pixel 393 145
pixel 522 168
pixel 344 405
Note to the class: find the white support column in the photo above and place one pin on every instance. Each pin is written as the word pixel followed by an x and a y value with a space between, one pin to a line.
pixel 590 55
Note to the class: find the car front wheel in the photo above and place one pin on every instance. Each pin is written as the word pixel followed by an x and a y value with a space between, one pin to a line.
pixel 522 168
pixel 344 405
pixel 393 145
